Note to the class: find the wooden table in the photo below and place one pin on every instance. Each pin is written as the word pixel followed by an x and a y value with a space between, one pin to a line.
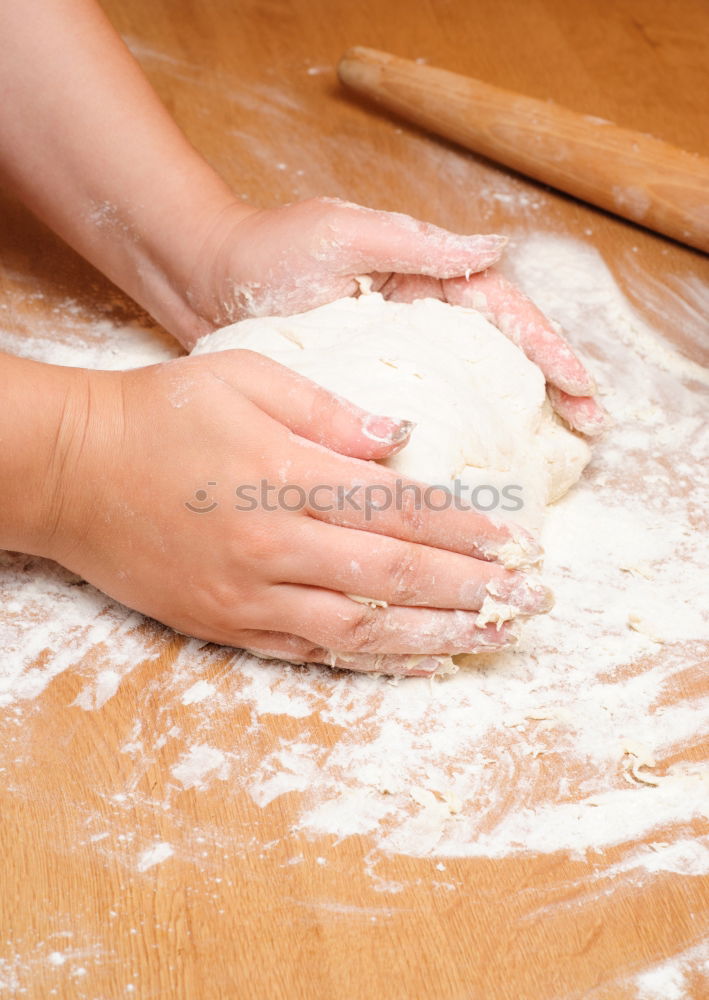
pixel 239 904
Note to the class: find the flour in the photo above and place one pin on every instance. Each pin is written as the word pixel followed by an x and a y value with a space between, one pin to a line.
pixel 154 856
pixel 674 979
pixel 198 692
pixel 96 695
pixel 50 620
pixel 200 764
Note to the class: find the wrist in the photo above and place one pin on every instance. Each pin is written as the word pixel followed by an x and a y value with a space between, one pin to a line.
pixel 43 430
pixel 34 397
pixel 154 247
pixel 183 296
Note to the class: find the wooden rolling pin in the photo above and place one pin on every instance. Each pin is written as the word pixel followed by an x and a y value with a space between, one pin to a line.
pixel 634 175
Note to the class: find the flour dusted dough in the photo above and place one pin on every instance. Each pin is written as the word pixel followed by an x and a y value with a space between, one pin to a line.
pixel 480 407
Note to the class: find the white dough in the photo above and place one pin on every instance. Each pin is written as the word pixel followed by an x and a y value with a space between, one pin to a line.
pixel 480 407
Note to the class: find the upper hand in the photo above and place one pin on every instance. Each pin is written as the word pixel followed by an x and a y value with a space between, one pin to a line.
pixel 293 258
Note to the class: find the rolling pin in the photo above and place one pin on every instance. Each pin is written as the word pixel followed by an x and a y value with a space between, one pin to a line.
pixel 631 174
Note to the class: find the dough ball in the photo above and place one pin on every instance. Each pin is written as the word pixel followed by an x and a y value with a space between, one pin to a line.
pixel 479 405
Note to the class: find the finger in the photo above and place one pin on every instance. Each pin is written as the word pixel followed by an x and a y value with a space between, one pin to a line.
pixel 376 499
pixel 390 241
pixel 519 319
pixel 293 649
pixel 282 646
pixel 309 410
pixel 338 623
pixel 406 665
pixel 582 413
pixel 405 573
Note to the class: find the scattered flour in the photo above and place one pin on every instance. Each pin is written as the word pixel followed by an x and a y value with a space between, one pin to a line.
pixel 199 765
pixel 524 752
pixel 154 856
pixel 674 979
pixel 529 743
pixel 96 695
pixel 198 692
pixel 50 621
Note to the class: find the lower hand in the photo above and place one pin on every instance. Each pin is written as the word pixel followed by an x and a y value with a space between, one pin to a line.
pixel 152 449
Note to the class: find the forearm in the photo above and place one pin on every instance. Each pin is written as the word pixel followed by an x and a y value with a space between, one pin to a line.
pixel 88 146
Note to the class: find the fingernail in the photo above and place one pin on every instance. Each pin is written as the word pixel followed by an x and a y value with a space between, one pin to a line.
pixel 586 386
pixel 492 637
pixel 427 666
pixel 525 548
pixel 485 248
pixel 520 551
pixel 386 430
pixel 521 596
pixel 403 431
pixel 594 423
pixel 494 242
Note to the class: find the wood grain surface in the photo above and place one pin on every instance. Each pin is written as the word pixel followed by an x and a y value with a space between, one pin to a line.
pixel 228 914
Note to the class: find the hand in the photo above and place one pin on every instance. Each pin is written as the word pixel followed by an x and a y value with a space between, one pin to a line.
pixel 290 259
pixel 151 448
pixel 166 228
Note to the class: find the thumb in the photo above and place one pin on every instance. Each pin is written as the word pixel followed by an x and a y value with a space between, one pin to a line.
pixel 390 241
pixel 307 409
